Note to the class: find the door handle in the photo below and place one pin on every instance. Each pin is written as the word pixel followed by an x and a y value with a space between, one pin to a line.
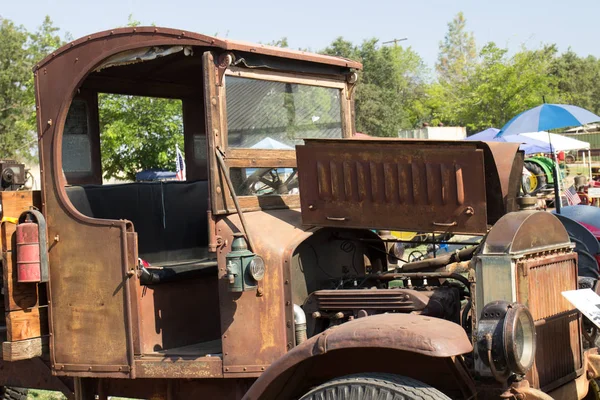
pixel 336 218
pixel 446 224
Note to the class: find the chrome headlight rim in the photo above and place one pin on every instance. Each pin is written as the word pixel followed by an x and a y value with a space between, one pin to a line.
pixel 518 321
pixel 506 339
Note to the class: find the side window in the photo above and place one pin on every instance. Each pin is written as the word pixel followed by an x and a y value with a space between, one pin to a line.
pixel 76 148
pixel 80 141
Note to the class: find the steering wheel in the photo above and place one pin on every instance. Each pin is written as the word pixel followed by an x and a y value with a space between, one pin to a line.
pixel 415 255
pixel 266 181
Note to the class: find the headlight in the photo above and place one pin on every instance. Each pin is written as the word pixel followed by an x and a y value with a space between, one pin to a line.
pixel 519 338
pixel 257 268
pixel 506 338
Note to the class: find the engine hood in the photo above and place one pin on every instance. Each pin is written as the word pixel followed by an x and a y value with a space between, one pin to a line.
pixel 415 185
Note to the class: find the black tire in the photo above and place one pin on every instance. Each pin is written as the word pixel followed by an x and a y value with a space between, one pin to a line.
pixel 12 393
pixel 371 386
pixel 536 170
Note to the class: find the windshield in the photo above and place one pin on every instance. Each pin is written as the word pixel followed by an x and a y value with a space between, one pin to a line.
pixel 265 114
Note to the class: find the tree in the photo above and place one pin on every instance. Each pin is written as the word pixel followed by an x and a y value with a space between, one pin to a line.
pixel 390 87
pixel 19 51
pixel 578 80
pixel 458 52
pixel 138 133
pixel 499 88
pixel 15 106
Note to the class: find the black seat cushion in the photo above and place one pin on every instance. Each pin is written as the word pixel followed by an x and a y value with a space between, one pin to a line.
pixel 169 217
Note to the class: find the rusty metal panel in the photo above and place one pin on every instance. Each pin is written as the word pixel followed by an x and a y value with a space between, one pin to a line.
pixel 88 299
pixel 540 280
pixel 257 326
pixel 400 185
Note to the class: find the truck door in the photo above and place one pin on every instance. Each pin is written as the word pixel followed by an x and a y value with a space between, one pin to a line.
pixel 89 289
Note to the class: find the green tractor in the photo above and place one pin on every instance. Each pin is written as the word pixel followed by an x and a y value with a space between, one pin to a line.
pixel 538 175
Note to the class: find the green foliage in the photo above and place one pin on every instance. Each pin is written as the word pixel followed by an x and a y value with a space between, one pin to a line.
pixel 391 85
pixel 578 80
pixel 138 133
pixel 15 106
pixel 19 51
pixel 488 88
pixel 499 88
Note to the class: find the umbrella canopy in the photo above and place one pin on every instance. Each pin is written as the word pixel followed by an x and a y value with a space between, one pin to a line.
pixel 548 116
pixel 486 135
pixel 528 145
pixel 559 142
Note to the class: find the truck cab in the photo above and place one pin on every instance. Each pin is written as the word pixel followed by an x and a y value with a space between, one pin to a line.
pixel 262 274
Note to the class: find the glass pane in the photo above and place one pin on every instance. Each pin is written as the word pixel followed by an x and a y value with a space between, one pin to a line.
pixel 264 181
pixel 277 115
pixel 200 147
pixel 76 149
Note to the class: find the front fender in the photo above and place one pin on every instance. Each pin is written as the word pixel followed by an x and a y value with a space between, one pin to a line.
pixel 431 337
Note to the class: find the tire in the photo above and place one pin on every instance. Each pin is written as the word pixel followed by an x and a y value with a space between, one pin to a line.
pixel 374 386
pixel 12 393
pixel 536 170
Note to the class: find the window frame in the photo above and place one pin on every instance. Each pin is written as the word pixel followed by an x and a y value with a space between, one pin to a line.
pixel 256 158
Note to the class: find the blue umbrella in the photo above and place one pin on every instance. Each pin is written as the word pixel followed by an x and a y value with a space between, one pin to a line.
pixel 487 135
pixel 546 117
pixel 528 145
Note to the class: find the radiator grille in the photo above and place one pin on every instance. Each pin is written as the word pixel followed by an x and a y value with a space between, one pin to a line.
pixel 357 299
pixel 540 283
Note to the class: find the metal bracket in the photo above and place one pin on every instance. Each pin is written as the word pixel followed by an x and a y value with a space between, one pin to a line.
pixel 223 62
pixel 352 79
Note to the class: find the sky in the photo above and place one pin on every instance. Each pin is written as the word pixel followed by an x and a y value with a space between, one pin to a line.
pixel 314 24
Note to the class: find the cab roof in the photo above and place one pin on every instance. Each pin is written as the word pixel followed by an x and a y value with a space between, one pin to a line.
pixel 149 35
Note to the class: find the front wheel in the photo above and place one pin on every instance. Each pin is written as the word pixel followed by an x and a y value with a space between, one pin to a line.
pixel 374 387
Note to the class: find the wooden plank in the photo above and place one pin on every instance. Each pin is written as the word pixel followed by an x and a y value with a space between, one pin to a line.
pixel 17 296
pixel 14 203
pixel 250 155
pixel 8 229
pixel 26 324
pixel 25 349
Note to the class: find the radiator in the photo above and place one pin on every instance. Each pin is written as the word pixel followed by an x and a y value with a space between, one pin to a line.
pixel 540 281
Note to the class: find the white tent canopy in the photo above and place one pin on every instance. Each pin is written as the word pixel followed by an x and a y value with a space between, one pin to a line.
pixel 270 143
pixel 559 143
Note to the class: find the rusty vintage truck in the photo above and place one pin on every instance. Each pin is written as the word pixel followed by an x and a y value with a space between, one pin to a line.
pixel 261 276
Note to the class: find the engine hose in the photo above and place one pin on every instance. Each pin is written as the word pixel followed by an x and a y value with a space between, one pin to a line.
pixel 299 324
pixel 390 276
pixel 434 263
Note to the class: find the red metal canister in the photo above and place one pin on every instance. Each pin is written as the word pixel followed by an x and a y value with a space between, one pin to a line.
pixel 28 252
